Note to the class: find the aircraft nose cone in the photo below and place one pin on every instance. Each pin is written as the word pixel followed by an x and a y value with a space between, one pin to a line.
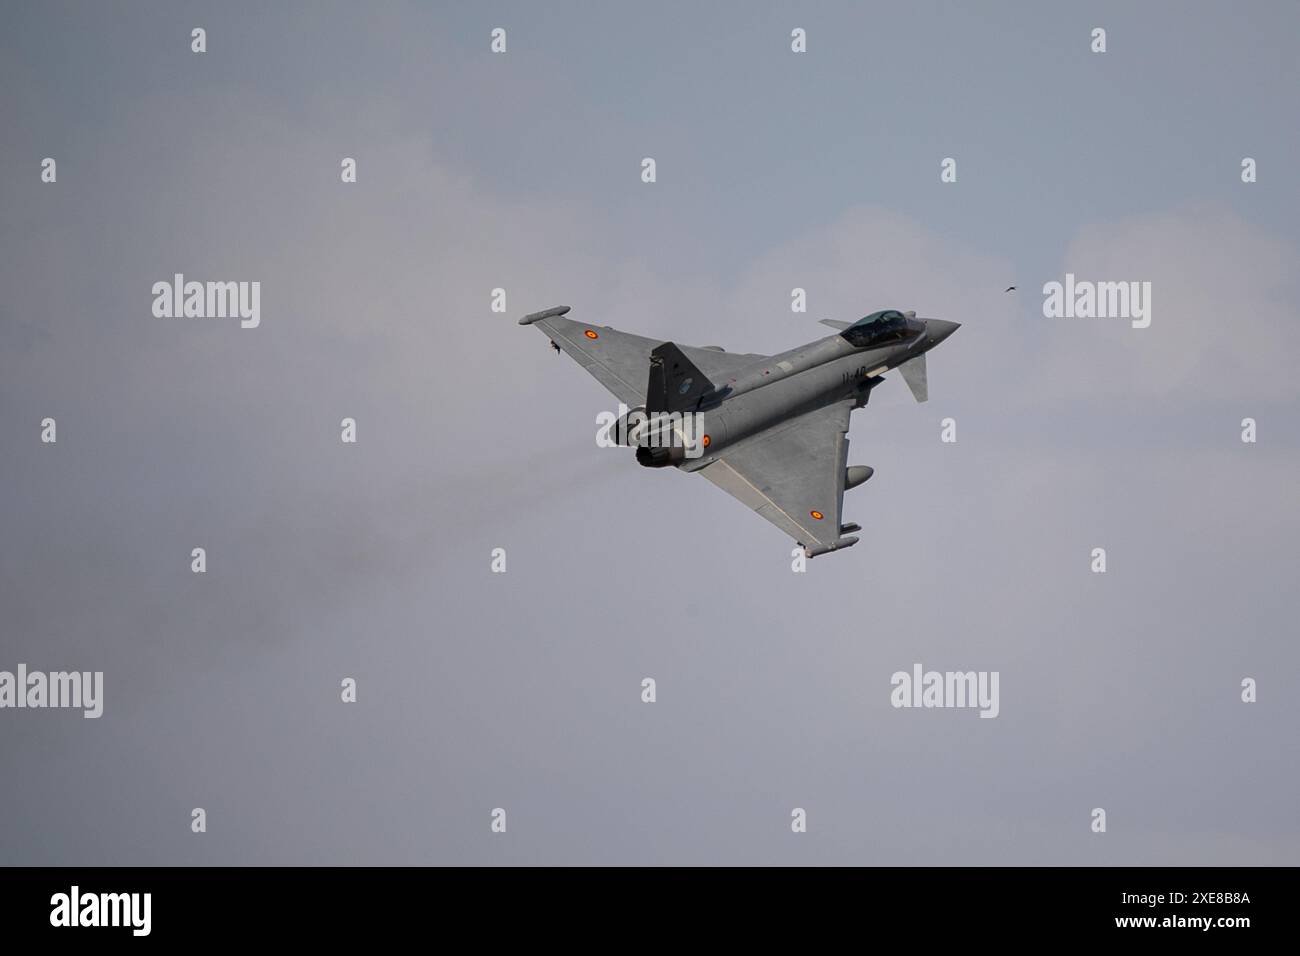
pixel 939 329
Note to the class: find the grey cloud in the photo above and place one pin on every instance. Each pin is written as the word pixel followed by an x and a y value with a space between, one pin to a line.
pixel 522 690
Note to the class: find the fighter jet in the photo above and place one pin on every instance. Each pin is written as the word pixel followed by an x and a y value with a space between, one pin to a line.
pixel 770 430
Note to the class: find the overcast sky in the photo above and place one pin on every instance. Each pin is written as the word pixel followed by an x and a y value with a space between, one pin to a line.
pixel 522 690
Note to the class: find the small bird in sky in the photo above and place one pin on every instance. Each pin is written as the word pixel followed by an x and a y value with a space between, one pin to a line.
pixel 1009 288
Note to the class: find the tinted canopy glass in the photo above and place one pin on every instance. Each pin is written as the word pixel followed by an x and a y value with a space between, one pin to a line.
pixel 879 329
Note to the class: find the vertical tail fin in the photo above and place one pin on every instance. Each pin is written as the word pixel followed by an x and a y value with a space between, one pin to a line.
pixel 675 384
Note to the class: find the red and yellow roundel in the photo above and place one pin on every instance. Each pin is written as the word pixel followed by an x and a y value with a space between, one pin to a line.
pixel 706 441
pixel 817 515
pixel 590 334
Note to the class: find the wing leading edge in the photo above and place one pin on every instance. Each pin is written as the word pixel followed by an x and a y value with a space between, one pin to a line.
pixel 621 361
pixel 793 475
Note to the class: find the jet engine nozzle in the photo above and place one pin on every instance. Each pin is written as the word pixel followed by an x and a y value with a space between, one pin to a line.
pixel 660 456
pixel 660 438
pixel 626 430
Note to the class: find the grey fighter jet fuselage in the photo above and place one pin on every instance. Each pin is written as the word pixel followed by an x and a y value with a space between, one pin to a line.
pixel 769 430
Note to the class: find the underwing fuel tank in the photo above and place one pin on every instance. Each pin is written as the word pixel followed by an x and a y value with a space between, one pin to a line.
pixel 856 475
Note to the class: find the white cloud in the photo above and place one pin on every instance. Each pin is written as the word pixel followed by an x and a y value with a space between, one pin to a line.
pixel 1224 319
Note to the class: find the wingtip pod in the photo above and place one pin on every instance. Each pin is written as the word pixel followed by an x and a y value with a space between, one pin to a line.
pixel 544 314
pixel 836 545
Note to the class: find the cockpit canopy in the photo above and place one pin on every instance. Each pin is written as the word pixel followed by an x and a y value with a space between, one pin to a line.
pixel 881 329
